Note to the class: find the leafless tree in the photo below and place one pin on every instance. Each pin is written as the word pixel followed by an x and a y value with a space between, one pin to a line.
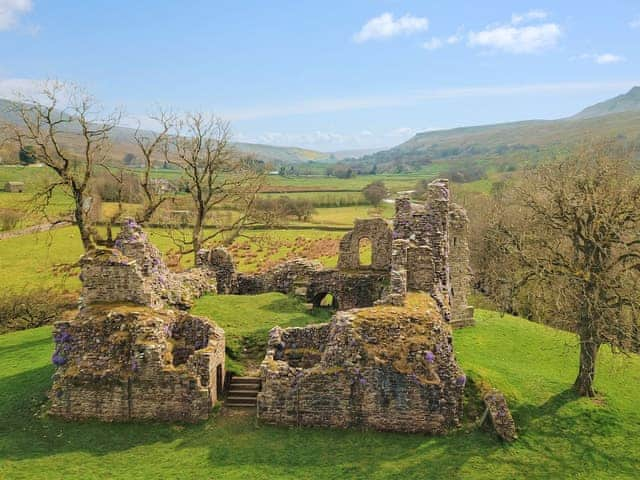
pixel 68 132
pixel 150 144
pixel 568 244
pixel 216 176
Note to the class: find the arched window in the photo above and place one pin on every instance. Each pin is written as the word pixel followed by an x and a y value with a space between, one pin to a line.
pixel 364 252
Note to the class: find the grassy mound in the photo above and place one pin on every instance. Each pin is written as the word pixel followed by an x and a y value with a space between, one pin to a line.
pixel 560 436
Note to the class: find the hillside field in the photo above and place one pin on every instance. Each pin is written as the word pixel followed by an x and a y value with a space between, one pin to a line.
pixel 561 436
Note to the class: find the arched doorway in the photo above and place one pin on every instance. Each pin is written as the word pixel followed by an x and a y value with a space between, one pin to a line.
pixel 325 300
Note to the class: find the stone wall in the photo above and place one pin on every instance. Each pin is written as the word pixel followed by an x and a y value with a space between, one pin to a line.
pixel 459 266
pixel 311 282
pixel 133 271
pixel 386 368
pixel 349 289
pixel 220 262
pixel 125 356
pixel 129 362
pixel 438 252
pixel 378 232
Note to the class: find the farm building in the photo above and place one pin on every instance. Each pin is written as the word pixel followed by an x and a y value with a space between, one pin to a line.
pixel 14 187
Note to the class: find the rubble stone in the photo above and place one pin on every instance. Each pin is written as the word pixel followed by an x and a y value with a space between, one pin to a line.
pixel 386 368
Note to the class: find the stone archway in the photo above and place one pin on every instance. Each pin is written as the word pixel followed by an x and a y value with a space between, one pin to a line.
pixel 320 300
pixel 379 233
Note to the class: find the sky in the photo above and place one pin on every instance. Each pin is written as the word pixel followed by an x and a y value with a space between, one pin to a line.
pixel 328 75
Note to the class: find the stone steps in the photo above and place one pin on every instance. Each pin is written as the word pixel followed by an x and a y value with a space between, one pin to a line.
pixel 243 392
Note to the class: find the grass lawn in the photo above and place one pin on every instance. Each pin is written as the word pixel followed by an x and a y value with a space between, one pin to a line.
pixel 560 436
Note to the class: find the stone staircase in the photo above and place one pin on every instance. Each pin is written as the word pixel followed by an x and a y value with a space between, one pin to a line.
pixel 243 392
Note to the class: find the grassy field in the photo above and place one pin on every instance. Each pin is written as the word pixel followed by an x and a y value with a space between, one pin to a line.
pixel 40 260
pixel 560 436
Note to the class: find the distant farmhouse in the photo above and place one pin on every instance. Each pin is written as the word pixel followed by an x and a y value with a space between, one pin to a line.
pixel 14 187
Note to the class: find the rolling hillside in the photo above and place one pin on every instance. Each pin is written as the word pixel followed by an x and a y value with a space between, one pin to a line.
pixel 503 144
pixel 123 144
pixel 627 102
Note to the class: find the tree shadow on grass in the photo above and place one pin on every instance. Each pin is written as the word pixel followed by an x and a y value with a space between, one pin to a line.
pixel 5 350
pixel 27 432
pixel 291 305
pixel 236 443
pixel 572 435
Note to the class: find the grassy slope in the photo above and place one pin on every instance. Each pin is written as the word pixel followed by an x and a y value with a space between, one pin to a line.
pixel 560 436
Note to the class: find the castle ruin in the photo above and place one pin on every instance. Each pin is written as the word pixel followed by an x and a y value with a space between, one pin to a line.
pixel 425 249
pixel 384 361
pixel 127 355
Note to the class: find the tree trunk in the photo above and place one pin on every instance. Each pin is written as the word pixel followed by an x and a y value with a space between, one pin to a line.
pixel 196 239
pixel 82 223
pixel 584 382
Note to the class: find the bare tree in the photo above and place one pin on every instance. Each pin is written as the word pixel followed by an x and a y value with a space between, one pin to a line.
pixel 151 144
pixel 216 176
pixel 67 131
pixel 569 246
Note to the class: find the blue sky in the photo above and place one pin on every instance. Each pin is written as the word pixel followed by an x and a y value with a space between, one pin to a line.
pixel 329 75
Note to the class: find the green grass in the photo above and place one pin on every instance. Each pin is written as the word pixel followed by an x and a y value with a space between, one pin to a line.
pixel 247 319
pixel 32 261
pixel 560 436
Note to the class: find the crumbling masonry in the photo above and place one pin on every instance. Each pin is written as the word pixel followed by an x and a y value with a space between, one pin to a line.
pixel 128 356
pixel 426 250
pixel 384 361
pixel 390 365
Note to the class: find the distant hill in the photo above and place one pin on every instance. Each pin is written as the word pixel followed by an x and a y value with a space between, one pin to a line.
pixel 123 140
pixel 288 155
pixel 505 145
pixel 626 102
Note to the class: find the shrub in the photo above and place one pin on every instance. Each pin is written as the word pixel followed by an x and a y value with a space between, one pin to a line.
pixel 375 192
pixel 111 190
pixel 32 308
pixel 9 218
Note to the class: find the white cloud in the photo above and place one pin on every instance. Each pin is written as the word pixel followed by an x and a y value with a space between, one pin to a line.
pixel 518 18
pixel 605 58
pixel 436 42
pixel 601 58
pixel 10 12
pixel 13 88
pixel 513 39
pixel 385 26
pixel 408 99
pixel 635 23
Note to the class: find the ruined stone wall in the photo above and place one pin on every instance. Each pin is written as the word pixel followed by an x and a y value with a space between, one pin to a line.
pixel 220 262
pixel 350 289
pixel 110 277
pixel 378 232
pixel 128 362
pixel 398 283
pixel 125 356
pixel 438 255
pixel 437 215
pixel 460 266
pixel 299 347
pixel 421 268
pixel 133 271
pixel 386 368
pixel 311 282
